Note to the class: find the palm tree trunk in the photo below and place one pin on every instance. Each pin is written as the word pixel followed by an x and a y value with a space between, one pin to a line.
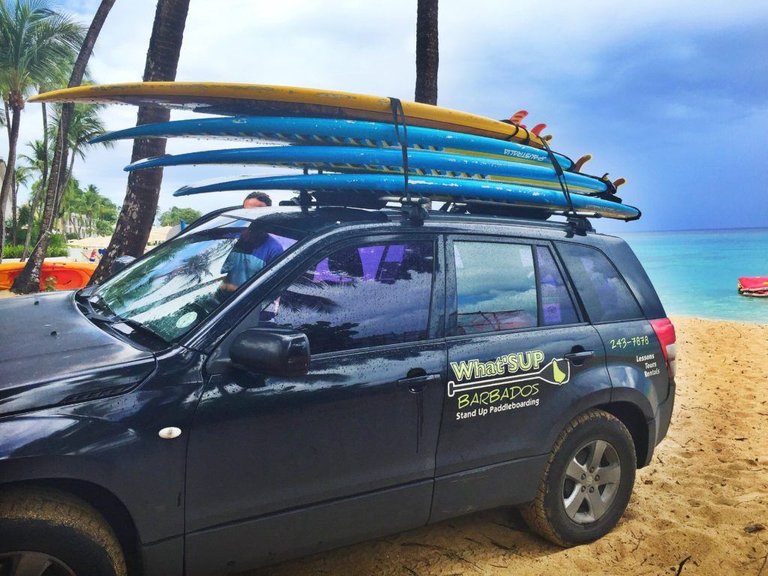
pixel 427 53
pixel 14 210
pixel 29 279
pixel 140 205
pixel 9 169
pixel 28 239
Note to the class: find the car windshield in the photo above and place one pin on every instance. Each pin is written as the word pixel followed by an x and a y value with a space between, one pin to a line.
pixel 181 282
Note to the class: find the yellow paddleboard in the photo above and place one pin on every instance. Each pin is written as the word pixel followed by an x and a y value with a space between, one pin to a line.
pixel 258 99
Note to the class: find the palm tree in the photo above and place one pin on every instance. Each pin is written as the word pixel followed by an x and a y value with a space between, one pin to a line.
pixel 34 41
pixel 84 125
pixel 140 204
pixel 37 161
pixel 21 177
pixel 427 54
pixel 29 279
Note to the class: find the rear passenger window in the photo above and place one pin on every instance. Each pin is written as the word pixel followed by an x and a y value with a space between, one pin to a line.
pixel 495 287
pixel 604 292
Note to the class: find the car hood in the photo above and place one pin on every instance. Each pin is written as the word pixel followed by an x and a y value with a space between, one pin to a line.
pixel 50 354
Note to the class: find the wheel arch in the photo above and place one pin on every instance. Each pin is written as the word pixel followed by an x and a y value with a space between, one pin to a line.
pixel 634 420
pixel 104 502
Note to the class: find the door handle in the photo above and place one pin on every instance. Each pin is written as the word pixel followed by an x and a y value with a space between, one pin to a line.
pixel 577 356
pixel 416 384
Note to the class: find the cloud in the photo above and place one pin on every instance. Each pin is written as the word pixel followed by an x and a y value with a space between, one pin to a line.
pixel 658 91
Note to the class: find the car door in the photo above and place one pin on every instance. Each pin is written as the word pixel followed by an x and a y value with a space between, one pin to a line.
pixel 284 466
pixel 521 361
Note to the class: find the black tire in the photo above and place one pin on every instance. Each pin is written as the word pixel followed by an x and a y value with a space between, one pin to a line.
pixel 574 503
pixel 47 533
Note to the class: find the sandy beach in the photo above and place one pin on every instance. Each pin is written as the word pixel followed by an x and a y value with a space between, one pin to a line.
pixel 701 507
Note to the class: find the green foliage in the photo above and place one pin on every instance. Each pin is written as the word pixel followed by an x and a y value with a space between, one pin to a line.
pixel 175 215
pixel 37 46
pixel 13 251
pixel 58 247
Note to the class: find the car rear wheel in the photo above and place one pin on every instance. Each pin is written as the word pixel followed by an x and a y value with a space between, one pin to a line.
pixel 587 482
pixel 47 533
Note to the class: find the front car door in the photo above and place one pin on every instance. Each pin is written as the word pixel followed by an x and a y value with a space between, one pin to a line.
pixel 521 362
pixel 278 466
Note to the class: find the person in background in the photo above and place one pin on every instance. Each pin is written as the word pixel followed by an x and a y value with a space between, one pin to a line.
pixel 252 251
pixel 257 200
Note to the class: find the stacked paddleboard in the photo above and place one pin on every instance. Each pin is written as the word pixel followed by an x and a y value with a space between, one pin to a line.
pixel 364 150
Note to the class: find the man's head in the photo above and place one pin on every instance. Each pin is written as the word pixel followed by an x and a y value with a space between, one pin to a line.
pixel 257 200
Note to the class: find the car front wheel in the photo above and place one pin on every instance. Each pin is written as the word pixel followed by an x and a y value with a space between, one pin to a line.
pixel 587 482
pixel 48 533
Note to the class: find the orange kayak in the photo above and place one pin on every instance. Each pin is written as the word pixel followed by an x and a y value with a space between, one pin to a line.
pixel 57 275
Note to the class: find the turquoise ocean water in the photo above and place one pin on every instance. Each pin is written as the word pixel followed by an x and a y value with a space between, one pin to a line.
pixel 695 272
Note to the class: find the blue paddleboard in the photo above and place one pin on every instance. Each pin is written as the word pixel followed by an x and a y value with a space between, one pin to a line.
pixel 386 160
pixel 436 188
pixel 331 132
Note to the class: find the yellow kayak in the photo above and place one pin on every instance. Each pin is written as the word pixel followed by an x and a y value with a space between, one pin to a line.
pixel 231 99
pixel 57 275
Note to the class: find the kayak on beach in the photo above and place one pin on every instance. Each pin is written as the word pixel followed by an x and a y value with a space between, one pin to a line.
pixel 58 275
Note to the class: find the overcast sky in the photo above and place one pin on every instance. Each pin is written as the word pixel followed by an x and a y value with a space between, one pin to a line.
pixel 671 95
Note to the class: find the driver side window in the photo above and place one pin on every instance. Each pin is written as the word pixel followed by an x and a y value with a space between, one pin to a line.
pixel 359 296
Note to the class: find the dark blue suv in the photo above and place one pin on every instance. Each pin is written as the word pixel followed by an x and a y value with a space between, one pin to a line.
pixel 274 382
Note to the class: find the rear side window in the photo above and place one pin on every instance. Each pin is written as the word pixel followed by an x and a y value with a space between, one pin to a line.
pixel 603 291
pixel 360 296
pixel 503 286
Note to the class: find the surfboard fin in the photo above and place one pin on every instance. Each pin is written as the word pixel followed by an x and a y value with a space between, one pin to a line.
pixel 619 182
pixel 538 129
pixel 579 164
pixel 518 117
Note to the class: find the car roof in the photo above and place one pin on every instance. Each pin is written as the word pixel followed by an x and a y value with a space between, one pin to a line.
pixel 315 220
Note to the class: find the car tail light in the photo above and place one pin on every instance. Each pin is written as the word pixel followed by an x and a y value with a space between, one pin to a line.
pixel 665 332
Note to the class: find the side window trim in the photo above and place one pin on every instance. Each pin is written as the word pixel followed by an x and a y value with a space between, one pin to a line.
pixel 570 287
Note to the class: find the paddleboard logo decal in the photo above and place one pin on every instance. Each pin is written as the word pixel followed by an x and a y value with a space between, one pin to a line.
pixel 508 383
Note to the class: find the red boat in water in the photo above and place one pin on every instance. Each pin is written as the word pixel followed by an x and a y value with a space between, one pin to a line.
pixel 754 286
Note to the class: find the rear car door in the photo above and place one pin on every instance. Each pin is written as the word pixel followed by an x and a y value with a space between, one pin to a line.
pixel 521 360
pixel 636 361
pixel 283 466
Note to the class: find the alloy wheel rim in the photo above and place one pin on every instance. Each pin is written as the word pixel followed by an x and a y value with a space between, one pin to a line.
pixel 591 482
pixel 27 563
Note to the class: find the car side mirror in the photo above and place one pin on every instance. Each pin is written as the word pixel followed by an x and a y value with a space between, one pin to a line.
pixel 120 264
pixel 272 351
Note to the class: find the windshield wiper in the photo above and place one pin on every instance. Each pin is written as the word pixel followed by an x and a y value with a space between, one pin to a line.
pixel 136 326
pixel 117 322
